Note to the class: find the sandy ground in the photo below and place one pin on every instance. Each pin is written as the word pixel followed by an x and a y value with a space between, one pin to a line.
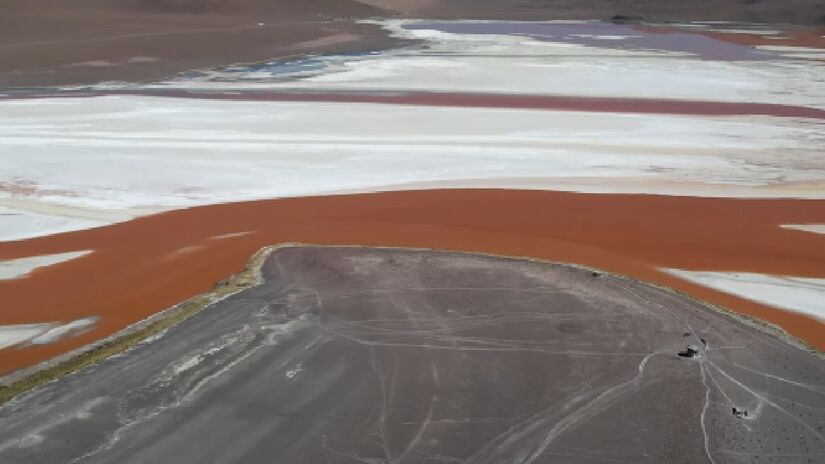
pixel 47 42
pixel 175 255
pixel 18 223
pixel 11 335
pixel 364 355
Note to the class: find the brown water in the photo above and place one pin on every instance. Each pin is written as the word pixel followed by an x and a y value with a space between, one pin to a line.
pixel 148 264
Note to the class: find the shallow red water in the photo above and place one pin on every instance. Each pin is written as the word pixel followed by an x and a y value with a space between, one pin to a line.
pixel 145 265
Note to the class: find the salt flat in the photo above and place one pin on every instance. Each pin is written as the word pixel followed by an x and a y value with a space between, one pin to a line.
pixel 204 151
pixel 799 294
pixel 11 335
pixel 42 333
pixel 17 268
pixel 507 63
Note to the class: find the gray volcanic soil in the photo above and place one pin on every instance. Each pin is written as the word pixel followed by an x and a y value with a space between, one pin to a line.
pixel 348 355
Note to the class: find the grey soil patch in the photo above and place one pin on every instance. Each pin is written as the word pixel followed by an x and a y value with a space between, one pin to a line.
pixel 349 354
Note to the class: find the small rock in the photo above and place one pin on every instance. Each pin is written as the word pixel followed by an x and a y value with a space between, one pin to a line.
pixel 691 351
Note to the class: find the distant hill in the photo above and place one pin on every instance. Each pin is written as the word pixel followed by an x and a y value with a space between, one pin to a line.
pixel 806 12
pixel 262 7
pixel 281 8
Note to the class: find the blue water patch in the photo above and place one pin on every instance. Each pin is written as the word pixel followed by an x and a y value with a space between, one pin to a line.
pixel 279 69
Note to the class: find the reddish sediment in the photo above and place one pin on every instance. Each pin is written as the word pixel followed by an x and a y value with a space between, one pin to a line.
pixel 148 264
pixel 473 100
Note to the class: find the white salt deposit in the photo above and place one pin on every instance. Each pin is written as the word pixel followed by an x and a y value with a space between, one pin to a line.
pixel 70 329
pixel 799 294
pixel 812 228
pixel 18 268
pixel 11 335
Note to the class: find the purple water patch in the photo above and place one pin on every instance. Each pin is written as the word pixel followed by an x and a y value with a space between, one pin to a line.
pixel 605 35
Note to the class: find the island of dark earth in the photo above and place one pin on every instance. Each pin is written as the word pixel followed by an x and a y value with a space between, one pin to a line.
pixel 363 355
